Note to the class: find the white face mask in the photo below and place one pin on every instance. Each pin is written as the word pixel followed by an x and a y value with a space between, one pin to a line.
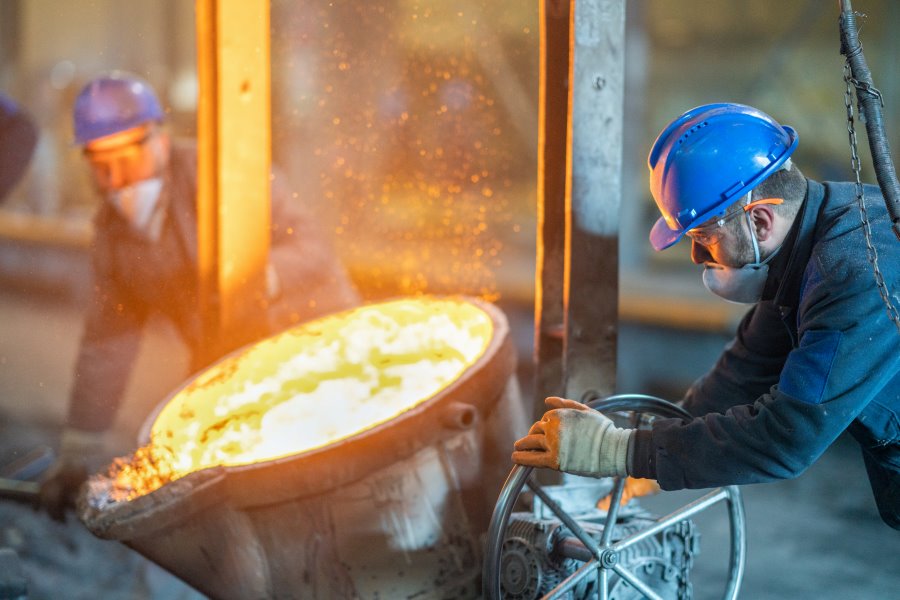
pixel 138 202
pixel 741 285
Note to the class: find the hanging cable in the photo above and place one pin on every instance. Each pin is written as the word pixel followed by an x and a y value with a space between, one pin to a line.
pixel 870 104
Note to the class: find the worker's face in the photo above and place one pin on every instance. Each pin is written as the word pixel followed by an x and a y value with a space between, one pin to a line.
pixel 728 244
pixel 125 158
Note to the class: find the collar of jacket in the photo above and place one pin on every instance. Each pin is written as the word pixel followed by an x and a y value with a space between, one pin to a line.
pixel 787 295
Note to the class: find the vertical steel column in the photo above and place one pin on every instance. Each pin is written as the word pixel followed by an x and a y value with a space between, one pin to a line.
pixel 595 159
pixel 579 193
pixel 234 164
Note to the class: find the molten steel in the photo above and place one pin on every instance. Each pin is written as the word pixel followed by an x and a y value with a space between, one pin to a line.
pixel 308 387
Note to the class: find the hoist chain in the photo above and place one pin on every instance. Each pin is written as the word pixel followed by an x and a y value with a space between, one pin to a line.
pixel 871 252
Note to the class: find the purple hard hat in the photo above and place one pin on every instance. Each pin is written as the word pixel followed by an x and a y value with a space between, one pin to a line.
pixel 113 103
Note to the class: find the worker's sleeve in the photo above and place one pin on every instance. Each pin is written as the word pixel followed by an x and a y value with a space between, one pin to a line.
pixel 847 352
pixel 748 367
pixel 109 347
pixel 311 281
pixel 18 138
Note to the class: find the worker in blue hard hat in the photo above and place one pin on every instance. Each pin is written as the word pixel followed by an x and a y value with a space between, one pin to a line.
pixel 144 257
pixel 818 352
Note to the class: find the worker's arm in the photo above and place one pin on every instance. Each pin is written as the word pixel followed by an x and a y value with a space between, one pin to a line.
pixel 847 354
pixel 109 347
pixel 748 367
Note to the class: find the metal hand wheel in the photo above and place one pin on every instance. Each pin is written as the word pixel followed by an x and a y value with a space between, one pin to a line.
pixel 604 556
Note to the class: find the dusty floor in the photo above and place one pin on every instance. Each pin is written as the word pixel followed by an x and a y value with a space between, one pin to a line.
pixel 816 537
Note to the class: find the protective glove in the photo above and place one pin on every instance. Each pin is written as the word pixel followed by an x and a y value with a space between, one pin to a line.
pixel 79 452
pixel 576 439
pixel 634 488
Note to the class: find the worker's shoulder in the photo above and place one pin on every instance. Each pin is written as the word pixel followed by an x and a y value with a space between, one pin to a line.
pixel 840 255
pixel 839 213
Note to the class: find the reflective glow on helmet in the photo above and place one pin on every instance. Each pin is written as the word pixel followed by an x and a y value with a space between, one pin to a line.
pixel 111 104
pixel 707 159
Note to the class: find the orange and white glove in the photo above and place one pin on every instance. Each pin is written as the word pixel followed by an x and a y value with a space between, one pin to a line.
pixel 576 439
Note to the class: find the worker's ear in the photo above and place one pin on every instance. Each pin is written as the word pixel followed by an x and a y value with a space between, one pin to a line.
pixel 763 218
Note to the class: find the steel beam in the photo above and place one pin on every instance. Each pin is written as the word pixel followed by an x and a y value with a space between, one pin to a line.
pixel 598 82
pixel 579 193
pixel 234 165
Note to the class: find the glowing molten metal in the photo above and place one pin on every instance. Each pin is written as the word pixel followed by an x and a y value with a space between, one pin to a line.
pixel 308 387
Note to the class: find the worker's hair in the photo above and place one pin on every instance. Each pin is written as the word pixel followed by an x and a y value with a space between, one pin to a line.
pixel 787 183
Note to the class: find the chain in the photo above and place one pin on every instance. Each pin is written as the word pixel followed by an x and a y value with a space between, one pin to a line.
pixel 689 537
pixel 871 252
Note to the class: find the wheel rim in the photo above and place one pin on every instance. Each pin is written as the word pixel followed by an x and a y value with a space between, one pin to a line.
pixel 604 553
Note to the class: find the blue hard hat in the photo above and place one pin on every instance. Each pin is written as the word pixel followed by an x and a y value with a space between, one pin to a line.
pixel 707 159
pixel 113 103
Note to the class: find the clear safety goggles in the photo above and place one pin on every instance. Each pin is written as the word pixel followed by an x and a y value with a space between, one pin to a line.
pixel 709 233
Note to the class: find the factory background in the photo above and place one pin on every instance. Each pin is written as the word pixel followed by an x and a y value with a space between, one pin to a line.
pixel 409 127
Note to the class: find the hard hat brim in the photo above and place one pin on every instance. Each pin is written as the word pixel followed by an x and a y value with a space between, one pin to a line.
pixel 661 237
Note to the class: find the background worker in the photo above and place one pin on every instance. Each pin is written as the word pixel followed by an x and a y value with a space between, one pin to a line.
pixel 817 354
pixel 18 138
pixel 144 259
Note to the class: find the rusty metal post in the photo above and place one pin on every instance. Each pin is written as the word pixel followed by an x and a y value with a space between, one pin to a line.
pixel 579 193
pixel 234 164
pixel 553 109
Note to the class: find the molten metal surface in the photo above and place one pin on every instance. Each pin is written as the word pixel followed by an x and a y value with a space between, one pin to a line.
pixel 308 387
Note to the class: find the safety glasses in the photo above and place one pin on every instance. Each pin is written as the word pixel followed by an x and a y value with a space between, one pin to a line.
pixel 130 147
pixel 709 233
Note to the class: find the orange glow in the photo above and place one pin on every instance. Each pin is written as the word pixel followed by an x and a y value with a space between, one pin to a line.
pixel 309 387
pixel 634 488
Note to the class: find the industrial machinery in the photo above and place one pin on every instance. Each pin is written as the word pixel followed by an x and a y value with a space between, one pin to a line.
pixel 565 547
pixel 354 456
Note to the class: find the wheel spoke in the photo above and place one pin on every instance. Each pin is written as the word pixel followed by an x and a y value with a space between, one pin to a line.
pixel 681 514
pixel 604 585
pixel 563 516
pixel 572 580
pixel 635 581
pixel 614 498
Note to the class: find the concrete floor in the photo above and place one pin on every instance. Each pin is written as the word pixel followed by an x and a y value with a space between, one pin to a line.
pixel 815 537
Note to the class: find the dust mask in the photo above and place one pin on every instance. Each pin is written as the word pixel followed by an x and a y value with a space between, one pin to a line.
pixel 138 203
pixel 741 285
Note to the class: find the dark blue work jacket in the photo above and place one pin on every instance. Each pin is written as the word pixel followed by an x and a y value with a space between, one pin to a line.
pixel 817 357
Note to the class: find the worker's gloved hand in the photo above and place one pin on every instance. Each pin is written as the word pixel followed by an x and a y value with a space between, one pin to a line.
pixel 634 488
pixel 79 453
pixel 576 439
